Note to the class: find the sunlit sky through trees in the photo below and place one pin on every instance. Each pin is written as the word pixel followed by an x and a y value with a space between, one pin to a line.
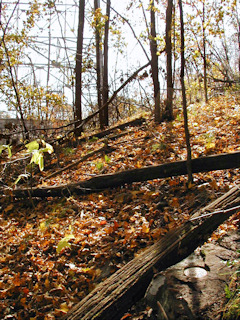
pixel 50 58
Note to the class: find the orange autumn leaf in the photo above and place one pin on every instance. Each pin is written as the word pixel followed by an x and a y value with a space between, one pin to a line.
pixel 126 316
pixel 175 202
pixel 145 229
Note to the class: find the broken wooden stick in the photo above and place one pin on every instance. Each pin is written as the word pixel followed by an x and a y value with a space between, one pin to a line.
pixel 101 134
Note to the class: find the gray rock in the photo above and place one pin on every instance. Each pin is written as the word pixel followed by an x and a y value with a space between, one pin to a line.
pixel 194 288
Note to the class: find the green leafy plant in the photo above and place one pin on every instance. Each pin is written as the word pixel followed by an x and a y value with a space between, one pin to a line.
pixel 107 159
pixel 23 176
pixel 6 147
pixel 232 293
pixel 93 139
pixel 99 165
pixel 228 292
pixel 158 146
pixel 37 152
pixel 68 151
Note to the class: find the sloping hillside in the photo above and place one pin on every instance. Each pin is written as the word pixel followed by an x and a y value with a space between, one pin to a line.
pixel 55 250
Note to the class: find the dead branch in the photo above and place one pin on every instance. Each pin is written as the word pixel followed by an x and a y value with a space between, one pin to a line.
pixel 86 120
pixel 101 182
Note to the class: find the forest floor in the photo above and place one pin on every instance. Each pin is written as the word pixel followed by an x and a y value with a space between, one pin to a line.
pixel 54 251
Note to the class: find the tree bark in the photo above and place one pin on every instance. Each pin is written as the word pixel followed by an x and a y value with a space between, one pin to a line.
pixel 105 67
pixel 238 24
pixel 184 100
pixel 78 70
pixel 133 76
pixel 204 56
pixel 154 66
pixel 101 182
pixel 99 65
pixel 114 296
pixel 168 114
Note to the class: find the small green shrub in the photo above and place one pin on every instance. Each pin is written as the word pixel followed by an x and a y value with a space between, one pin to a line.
pixel 232 291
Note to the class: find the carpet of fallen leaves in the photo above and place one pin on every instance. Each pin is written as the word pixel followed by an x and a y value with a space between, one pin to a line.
pixel 54 251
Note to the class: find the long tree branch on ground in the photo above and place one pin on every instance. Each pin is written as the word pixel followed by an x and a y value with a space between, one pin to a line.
pixel 113 180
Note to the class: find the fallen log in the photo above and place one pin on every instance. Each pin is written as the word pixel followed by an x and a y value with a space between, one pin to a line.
pixel 100 182
pixel 113 297
pixel 101 134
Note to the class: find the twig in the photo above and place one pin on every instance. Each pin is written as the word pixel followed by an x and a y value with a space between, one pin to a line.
pixel 162 310
pixel 76 162
pixel 217 212
pixel 16 160
pixel 115 93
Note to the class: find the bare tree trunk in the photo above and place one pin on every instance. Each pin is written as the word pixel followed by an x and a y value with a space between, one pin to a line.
pixel 14 84
pixel 105 70
pixel 184 100
pixel 99 66
pixel 169 102
pixel 204 57
pixel 238 24
pixel 154 66
pixel 78 70
pixel 114 95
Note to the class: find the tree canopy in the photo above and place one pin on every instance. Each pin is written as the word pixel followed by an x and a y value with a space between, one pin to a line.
pixel 40 59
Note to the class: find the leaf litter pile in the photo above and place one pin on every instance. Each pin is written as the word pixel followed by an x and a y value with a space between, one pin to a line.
pixel 54 251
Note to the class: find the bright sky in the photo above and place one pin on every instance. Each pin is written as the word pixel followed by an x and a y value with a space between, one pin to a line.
pixel 64 24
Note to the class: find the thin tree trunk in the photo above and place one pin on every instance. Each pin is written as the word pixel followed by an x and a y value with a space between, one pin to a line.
pixel 99 66
pixel 114 95
pixel 14 84
pixel 79 59
pixel 19 107
pixel 238 21
pixel 168 114
pixel 154 65
pixel 184 100
pixel 204 57
pixel 105 70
